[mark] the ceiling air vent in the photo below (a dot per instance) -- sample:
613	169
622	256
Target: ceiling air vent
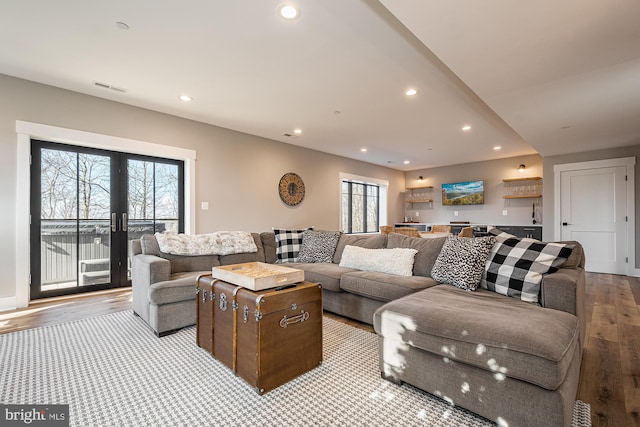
108	86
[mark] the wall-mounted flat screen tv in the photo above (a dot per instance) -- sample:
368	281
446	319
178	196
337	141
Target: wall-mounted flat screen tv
463	193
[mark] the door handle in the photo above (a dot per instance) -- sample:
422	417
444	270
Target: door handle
565	223
125	221
114	222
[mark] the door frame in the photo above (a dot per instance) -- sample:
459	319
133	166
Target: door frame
27	130
629	164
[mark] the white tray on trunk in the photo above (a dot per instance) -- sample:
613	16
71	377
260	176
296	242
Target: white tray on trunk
258	275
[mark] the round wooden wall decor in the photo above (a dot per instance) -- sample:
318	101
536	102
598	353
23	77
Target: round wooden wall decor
291	189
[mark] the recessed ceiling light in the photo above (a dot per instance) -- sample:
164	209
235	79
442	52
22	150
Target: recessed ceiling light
406	162
497	147
185	98
122	25
411	92
290	12
298	131
466	128
364	150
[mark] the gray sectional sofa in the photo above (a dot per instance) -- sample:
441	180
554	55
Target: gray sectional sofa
513	362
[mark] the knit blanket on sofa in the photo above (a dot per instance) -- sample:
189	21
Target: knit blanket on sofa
218	243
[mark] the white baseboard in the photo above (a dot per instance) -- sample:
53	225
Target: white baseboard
8	303
635	272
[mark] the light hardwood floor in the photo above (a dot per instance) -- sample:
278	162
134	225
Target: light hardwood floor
610	372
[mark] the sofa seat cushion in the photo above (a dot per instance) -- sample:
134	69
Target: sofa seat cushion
181	287
328	275
383	286
508	337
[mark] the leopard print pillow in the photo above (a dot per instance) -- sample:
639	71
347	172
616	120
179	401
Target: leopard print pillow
318	246
461	261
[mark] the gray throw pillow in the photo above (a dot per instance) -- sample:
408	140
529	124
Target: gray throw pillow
462	260
318	246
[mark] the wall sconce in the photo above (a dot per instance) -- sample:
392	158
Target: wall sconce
420	178
521	168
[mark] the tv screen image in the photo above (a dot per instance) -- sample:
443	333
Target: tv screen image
463	193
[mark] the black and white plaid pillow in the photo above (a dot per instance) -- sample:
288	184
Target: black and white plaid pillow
515	266
288	244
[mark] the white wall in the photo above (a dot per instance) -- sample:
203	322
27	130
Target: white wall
491	212
235	172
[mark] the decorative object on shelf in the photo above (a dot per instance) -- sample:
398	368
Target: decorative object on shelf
291	189
417	196
526	190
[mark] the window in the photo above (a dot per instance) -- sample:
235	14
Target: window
360	207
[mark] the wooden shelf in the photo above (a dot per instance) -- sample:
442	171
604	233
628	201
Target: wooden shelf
524	196
419	201
531	178
420	188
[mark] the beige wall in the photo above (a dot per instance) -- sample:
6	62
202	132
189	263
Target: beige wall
491	213
235	172
550	162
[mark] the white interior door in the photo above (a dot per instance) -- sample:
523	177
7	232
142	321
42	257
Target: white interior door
593	211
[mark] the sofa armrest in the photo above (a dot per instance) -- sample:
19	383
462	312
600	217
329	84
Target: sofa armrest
565	290
149	269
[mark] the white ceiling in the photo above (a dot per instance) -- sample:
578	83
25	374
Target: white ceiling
550	76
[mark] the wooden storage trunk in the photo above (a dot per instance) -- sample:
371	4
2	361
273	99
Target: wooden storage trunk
204	312
258	275
267	337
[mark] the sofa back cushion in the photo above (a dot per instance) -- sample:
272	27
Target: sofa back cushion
150	245
428	250
246	257
179	263
268	239
576	259
376	241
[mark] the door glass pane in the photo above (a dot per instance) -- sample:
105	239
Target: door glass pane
94	200
75	223
166	195
140	189
153	200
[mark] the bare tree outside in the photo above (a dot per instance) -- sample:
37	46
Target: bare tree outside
153	192
360	207
140	189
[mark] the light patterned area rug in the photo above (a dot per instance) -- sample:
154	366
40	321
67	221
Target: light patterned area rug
113	371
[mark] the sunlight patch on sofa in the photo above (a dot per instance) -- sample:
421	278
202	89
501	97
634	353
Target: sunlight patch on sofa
393	328
500	371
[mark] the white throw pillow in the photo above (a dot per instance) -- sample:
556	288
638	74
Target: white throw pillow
398	261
